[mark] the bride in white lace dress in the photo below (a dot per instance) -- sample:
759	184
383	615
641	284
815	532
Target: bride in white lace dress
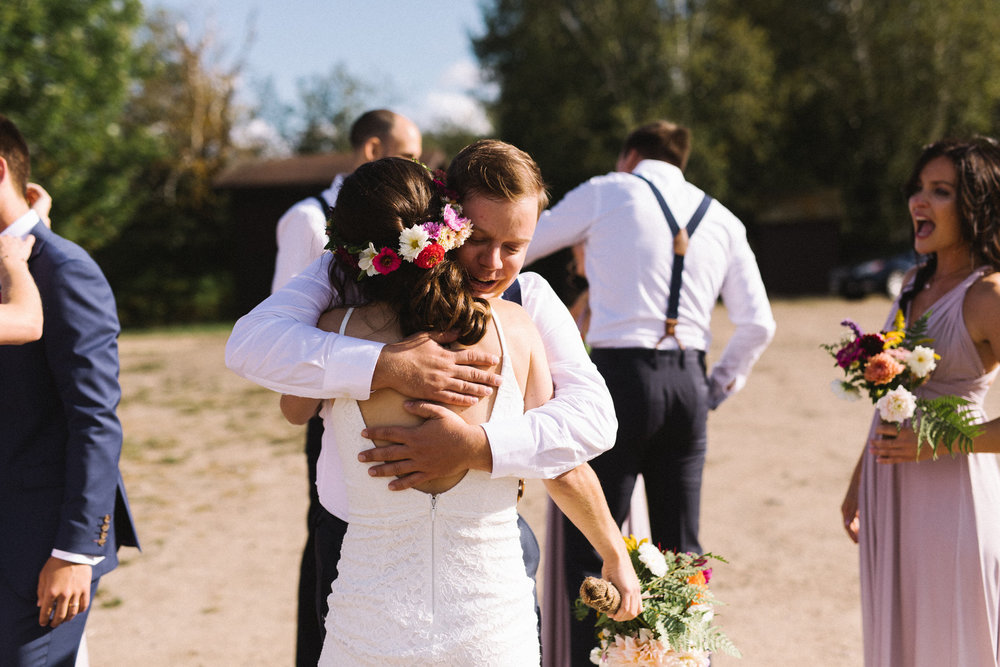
433	575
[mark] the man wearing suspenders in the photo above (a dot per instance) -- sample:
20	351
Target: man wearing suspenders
658	254
301	237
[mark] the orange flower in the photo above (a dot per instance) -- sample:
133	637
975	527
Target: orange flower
698	579
882	368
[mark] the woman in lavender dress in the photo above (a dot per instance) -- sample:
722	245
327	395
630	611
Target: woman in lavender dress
929	530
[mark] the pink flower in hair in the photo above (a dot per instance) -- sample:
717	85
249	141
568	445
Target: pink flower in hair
386	261
453	219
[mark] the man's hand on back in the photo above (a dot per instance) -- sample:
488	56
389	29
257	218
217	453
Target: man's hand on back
419	366
443	445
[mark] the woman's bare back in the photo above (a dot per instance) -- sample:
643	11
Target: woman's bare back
377	323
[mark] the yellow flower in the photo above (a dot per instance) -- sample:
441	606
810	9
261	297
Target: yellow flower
895	337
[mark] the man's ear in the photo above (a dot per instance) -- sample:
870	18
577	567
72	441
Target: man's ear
373	149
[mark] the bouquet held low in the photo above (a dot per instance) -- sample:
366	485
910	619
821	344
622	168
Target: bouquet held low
675	627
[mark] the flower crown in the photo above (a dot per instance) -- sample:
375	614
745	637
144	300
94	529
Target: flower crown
423	244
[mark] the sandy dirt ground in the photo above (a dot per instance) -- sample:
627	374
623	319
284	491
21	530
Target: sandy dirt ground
218	488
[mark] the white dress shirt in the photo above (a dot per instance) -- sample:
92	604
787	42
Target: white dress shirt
278	346
22	226
628	250
301	235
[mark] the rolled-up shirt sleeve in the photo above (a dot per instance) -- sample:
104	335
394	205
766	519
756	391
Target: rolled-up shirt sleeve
578	423
278	346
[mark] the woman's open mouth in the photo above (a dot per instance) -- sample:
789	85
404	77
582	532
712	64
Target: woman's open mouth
924	228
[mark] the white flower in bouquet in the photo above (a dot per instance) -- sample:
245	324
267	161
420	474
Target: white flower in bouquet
845	390
652	558
704	612
897	405
921	361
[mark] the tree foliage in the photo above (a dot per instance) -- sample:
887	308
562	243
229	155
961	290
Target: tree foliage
576	75
866	84
68	69
171	262
329	104
782	96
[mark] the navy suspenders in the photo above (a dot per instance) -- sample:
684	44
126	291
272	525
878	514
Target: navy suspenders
681	238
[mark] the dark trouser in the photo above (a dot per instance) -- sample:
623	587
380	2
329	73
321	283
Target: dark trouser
326	536
24	643
661	402
309	634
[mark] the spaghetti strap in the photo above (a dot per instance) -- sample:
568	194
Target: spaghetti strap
347	317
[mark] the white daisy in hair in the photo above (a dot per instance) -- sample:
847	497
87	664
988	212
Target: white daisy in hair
365	260
411	241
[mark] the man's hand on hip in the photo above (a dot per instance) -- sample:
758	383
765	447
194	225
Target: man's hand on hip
443	445
419	366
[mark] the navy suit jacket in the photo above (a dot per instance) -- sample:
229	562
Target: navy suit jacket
60	438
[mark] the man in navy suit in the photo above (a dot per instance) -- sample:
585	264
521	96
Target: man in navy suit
63	510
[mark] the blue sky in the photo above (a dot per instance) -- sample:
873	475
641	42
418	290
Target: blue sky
418	54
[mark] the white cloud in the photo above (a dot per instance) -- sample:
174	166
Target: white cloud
259	135
455	100
441	108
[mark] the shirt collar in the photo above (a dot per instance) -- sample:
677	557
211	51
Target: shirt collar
665	169
23	225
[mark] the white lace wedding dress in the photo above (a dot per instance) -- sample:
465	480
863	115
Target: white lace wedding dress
429	579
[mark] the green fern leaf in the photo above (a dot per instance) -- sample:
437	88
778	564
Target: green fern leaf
946	422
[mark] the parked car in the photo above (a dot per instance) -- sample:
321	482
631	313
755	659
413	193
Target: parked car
883	275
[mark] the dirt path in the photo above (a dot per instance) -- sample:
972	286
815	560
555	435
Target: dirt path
218	488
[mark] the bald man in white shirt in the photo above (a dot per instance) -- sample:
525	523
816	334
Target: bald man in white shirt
301	238
651	351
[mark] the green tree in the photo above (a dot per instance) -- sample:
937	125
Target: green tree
865	84
576	75
328	105
171	262
68	70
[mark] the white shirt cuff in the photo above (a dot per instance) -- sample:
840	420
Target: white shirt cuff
508	459
76	558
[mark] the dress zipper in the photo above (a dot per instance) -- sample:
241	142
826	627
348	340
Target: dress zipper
434	499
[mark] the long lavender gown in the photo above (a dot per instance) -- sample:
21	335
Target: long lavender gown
930	531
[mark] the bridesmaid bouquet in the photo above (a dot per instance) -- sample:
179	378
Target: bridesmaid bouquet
675	626
887	367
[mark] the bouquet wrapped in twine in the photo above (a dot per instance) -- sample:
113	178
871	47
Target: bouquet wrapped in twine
600	595
676	620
